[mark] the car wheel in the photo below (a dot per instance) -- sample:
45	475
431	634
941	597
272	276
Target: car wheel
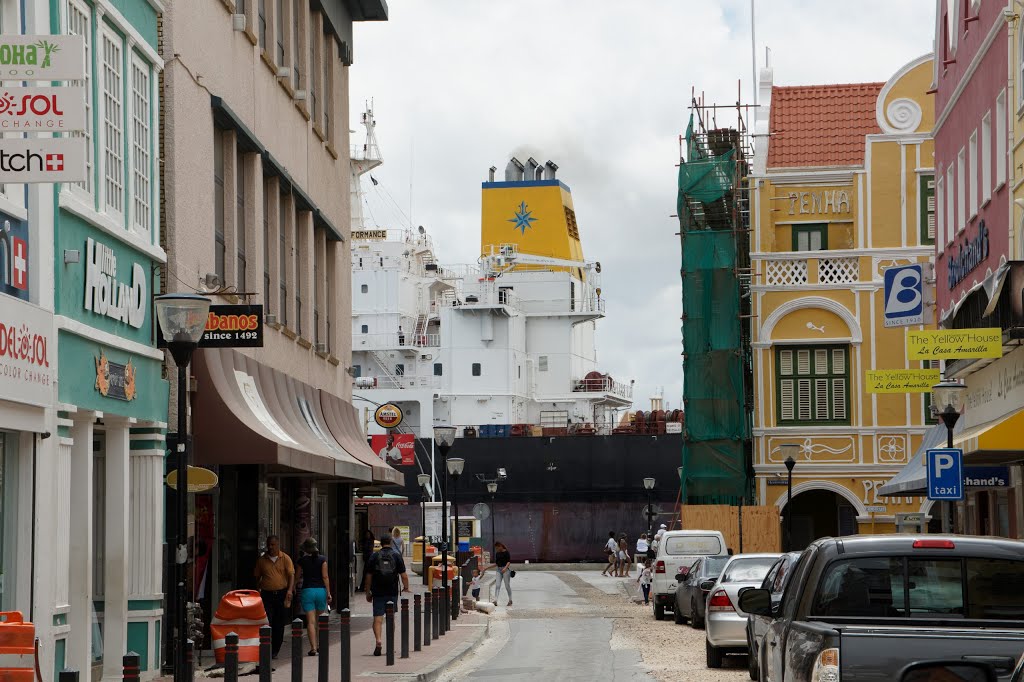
659	612
695	621
714	656
752	661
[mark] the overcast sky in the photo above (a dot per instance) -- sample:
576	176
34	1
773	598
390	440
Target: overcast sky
602	88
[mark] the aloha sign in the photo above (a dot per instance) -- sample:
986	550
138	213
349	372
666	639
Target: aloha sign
42	58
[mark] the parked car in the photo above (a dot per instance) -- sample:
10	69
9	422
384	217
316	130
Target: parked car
677	550
866	607
726	622
775	582
692	589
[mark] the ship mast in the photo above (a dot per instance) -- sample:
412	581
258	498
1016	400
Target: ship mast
364	159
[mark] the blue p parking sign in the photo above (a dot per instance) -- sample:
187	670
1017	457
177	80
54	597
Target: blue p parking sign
904	295
945	474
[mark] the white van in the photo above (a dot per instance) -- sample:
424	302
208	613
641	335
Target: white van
678	550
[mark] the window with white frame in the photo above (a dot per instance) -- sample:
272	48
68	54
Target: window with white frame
141	146
113	123
1020	67
940	214
314	71
813	384
950	217
961	194
972	176
1001	123
79	20
986	157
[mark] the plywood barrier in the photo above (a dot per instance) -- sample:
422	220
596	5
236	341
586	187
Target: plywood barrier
761	525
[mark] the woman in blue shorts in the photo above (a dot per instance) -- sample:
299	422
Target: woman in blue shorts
311	571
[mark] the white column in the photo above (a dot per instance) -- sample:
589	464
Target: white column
146	525
79	646
115	569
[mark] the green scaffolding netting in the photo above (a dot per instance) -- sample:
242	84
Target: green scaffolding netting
717	425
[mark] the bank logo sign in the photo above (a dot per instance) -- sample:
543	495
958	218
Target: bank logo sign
42	58
58	159
14	261
904	292
44	110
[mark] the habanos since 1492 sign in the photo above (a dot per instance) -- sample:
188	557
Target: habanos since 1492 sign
939	344
388	416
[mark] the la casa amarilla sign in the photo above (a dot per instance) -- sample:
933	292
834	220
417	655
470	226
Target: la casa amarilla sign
901	380
936	344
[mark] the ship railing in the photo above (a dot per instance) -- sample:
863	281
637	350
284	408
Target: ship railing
566	305
483	293
394	340
567	428
397	382
604	384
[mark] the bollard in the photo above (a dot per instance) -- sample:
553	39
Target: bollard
323	652
447	597
130	665
404	629
426	619
231	657
435	600
345	647
389	625
417	624
297	650
190	668
456	597
67	675
265	653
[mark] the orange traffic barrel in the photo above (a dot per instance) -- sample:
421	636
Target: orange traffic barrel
241	612
17	645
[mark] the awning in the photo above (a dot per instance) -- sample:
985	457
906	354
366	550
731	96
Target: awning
384	500
912	480
342	420
249	413
996	441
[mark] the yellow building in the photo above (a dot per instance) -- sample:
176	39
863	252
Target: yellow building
842	188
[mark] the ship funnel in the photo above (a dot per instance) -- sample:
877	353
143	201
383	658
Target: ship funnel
490	173
534	170
514	170
550	170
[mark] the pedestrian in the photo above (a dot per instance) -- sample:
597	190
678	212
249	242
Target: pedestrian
653	551
642	547
611	550
645	579
503	562
316	589
624	563
275	579
366	549
474	585
383	571
397	543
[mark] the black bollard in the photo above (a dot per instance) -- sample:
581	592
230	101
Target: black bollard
345	646
297	650
404	629
231	657
389	626
190	668
67	675
435	600
130	666
265	653
447	597
323	652
426	619
417	624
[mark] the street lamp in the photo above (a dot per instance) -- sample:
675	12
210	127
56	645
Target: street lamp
492	487
947	401
444	438
424	481
182	320
789	449
682	495
649	486
455	466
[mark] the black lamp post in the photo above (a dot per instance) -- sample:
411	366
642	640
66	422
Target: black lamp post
947	401
424	481
682	496
649	486
492	487
455	466
789	449
444	438
182	320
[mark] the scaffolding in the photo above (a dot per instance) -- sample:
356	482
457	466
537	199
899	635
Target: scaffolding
714	237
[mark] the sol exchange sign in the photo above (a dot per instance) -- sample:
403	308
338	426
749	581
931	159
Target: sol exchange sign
26	335
388	416
58	110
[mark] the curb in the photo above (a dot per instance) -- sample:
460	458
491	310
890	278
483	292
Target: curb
460	653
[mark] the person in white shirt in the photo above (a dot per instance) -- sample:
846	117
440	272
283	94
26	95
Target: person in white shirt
657	538
645	579
611	549
642	546
390	452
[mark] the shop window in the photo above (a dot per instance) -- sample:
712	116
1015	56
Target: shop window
810	237
812	385
8	520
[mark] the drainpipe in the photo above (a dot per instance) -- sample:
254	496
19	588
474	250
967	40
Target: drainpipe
1011	107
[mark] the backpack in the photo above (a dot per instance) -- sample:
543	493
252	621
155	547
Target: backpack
386	564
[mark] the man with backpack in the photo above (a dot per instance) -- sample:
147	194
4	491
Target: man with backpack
381	583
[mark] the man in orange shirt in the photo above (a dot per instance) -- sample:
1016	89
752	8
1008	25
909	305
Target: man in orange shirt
275	579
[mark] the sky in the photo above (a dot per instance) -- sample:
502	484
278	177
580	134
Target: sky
603	89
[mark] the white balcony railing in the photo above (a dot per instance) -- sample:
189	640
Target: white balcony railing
803	271
604	384
397	382
394	341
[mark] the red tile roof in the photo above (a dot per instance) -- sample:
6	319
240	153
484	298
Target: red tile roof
821	125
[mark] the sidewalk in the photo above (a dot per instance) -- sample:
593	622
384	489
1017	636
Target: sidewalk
427	664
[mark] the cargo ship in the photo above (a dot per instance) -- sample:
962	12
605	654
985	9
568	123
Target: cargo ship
504	350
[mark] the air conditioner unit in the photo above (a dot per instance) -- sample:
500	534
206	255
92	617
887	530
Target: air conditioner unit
300	95
238	22
320	348
284	72
270	318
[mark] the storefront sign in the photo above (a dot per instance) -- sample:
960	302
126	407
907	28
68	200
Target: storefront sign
388	416
199	479
901	380
369	234
26	341
42	58
397	449
229	326
819	202
114	380
875	508
936	344
904	288
104	295
43	159
42	109
432	517
995	391
987	477
969	255
14	268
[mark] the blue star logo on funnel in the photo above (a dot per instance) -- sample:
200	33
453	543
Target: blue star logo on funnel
523	218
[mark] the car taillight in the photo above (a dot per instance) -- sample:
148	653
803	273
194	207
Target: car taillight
659	567
720	602
934	544
826	666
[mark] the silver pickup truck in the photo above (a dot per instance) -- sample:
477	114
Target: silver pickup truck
864	607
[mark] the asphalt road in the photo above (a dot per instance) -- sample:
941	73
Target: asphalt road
582	626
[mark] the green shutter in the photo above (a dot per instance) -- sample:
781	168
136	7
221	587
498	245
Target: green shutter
927	208
812	385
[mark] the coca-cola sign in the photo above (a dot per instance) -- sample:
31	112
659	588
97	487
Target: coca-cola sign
27	353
